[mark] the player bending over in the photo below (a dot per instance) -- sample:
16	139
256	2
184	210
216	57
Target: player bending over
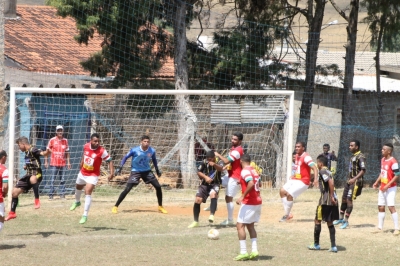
140	169
33	175
250	209
93	156
300	181
387	190
327	209
232	186
3	186
209	172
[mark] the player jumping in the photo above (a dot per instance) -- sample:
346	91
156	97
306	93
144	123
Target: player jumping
93	156
140	169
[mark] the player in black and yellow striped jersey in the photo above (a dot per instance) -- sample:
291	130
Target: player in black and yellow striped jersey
33	175
209	172
327	209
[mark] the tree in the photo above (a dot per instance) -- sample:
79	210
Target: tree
384	23
351	30
133	45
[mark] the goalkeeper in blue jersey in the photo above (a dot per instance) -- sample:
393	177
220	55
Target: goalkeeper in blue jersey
140	169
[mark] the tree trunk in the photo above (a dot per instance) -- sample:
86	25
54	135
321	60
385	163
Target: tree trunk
315	24
378	86
345	133
188	119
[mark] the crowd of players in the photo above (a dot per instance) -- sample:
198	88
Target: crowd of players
235	171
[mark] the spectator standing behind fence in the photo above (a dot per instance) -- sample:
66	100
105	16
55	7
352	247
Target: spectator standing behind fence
328	155
59	159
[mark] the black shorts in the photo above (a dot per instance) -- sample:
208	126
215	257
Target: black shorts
135	177
349	191
204	191
327	213
25	182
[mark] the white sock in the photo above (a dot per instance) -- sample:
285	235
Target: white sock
254	245
381	218
243	249
284	202
289	206
230	207
1	226
395	218
88	201
78	194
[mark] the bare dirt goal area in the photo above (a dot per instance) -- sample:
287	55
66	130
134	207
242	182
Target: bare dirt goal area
139	235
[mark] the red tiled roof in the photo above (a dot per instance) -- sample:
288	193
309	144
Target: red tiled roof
42	41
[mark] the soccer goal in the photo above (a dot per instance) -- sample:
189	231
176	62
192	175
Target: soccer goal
182	126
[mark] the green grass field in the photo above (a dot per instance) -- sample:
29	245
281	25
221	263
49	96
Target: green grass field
139	235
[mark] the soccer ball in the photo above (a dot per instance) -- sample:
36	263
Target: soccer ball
213	234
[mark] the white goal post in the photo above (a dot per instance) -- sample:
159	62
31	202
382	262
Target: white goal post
199	117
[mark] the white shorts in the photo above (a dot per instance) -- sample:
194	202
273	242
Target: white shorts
387	198
295	187
249	214
232	188
2	210
84	179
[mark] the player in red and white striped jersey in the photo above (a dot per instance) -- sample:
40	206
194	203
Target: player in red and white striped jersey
250	209
300	181
93	156
388	187
3	185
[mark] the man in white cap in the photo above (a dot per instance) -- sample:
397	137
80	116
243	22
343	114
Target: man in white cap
58	146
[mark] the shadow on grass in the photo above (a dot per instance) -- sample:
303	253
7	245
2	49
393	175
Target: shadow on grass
363	225
3	247
341	248
301	220
263	257
136	210
43	234
102	228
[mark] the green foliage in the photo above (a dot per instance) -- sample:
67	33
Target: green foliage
385	15
133	45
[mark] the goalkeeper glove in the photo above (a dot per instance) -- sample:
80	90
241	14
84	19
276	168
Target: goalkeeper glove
158	172
118	171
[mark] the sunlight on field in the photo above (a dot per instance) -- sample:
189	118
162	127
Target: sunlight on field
139	235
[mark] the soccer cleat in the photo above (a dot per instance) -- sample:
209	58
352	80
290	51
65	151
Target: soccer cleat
83	220
377	231
242	257
207	209
340	221
50	197
193	225
161	209
114	210
396	232
344	225
211	219
286	218
314	247
227	222
11	215
333	249
253	255
74	206
37	203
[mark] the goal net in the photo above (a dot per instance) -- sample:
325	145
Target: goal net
182	126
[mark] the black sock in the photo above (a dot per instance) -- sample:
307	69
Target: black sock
157	186
196	212
213	206
36	190
14	203
123	194
332	235
317	232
